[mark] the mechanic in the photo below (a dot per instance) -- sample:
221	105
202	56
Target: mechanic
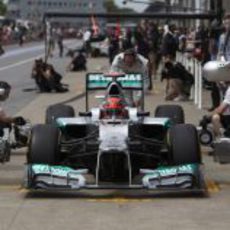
221	115
5	120
131	62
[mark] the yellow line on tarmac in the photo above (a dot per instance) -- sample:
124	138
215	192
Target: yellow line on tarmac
212	186
119	200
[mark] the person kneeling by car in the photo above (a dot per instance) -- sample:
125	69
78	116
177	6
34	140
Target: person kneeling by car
6	123
220	117
5	120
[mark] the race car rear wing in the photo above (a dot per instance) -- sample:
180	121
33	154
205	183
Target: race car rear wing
101	81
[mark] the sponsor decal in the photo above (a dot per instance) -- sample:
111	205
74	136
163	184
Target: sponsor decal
127	80
61	171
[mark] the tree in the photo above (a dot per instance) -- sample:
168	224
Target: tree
2	8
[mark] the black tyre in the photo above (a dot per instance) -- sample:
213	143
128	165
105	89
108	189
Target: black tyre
174	112
55	111
184	144
43	145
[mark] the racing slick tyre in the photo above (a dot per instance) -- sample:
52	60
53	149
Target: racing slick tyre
55	111
174	112
43	145
184	144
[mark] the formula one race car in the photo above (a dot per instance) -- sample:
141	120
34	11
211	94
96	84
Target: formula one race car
12	137
114	145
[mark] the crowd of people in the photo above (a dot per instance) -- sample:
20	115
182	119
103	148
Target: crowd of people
141	49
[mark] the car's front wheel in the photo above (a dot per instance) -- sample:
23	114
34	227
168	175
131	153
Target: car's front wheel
174	112
184	144
55	111
44	145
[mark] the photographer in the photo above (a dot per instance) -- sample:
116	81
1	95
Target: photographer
78	62
46	78
179	81
53	79
39	76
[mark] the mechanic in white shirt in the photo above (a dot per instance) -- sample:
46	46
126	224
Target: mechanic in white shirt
131	62
4	119
221	115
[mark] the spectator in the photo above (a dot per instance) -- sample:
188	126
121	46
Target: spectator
169	43
127	40
113	46
1	48
59	37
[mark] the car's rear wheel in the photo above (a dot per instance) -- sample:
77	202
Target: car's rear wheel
174	112
43	145
184	144
55	111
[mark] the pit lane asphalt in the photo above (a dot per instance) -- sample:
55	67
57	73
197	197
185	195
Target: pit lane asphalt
110	209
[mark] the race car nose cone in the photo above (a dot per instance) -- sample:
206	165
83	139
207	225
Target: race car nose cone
216	71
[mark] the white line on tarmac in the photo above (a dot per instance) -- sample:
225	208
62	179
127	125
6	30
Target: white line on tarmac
20	63
71	43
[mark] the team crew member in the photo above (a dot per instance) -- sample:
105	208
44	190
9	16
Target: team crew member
221	115
131	62
4	94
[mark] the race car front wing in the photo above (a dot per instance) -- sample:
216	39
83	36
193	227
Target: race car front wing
183	177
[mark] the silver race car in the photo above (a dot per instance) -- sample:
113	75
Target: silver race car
114	145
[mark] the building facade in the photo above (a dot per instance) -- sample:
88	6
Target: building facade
35	9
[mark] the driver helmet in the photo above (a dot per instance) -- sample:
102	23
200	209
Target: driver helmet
114	107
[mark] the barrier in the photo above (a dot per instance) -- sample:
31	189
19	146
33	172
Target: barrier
195	68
